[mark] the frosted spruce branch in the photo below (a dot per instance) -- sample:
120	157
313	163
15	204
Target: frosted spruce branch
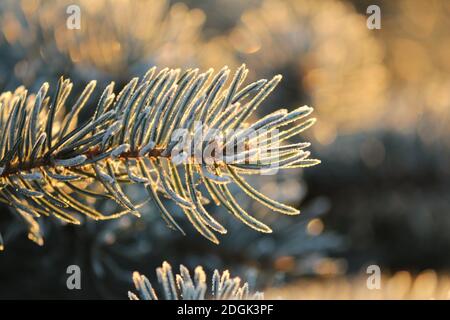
183	287
184	136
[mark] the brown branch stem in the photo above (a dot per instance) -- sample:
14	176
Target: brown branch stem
45	161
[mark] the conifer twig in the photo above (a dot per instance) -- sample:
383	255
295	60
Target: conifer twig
184	136
183	287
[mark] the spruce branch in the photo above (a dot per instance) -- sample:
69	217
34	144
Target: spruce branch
183	287
52	164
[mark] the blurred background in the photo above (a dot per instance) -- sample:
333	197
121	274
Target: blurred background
382	98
